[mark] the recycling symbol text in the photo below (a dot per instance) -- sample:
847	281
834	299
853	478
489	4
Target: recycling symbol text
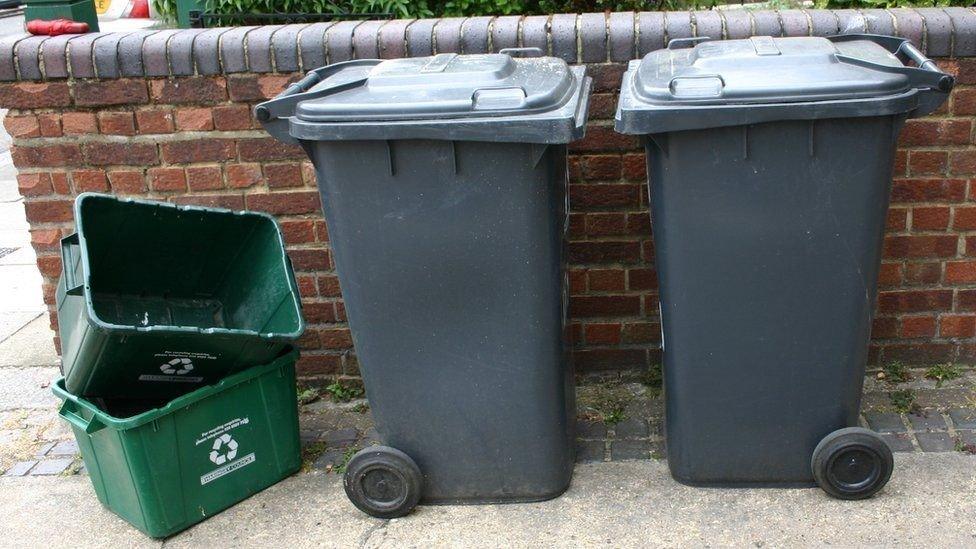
178	366
219	443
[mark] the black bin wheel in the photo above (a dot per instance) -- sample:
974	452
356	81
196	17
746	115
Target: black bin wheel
852	463
383	482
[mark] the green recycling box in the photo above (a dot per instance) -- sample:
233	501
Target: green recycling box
156	300
168	468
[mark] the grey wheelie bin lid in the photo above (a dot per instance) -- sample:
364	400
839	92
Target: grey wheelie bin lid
484	97
697	83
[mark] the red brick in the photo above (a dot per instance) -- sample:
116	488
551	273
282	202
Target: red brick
48	211
929	190
598	306
89	181
634	167
268	149
920	246
609	359
240	176
329	286
23	126
928	132
34	184
641	332
252	87
914	301
318	312
318	364
198	150
46	239
204	178
605	280
575	171
602	334
62	154
934	218
153	121
639	223
49	265
900	165
167	179
309	259
77	123
601	167
917	326
964	70
577	281
110	92
602	106
283	175
295	202
50	124
928	162
306	285
960	271
897	219
298	231
606	76
198	89
957	326
121	154
604	252
922	273
228	201
604	196
117	123
232	117
194	119
963	162
641	279
964	102
59	182
127	182
884	328
889	274
964	218
336	338
34	95
603	138
606	224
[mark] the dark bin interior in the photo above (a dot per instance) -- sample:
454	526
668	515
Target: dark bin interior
155	265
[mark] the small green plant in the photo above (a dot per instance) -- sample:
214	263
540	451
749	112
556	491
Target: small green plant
896	372
606	401
340	467
964	447
311	452
653	378
614	416
942	373
904	401
343	393
361	408
308	395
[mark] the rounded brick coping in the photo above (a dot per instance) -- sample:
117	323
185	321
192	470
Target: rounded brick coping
577	38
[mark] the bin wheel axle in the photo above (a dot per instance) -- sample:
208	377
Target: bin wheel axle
852	463
383	482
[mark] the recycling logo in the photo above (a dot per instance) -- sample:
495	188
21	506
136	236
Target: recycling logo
224	449
177	366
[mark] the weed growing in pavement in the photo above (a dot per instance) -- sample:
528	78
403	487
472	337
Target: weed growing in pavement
895	372
606	401
311	452
904	401
343	393
961	446
942	373
361	408
653	378
340	467
307	395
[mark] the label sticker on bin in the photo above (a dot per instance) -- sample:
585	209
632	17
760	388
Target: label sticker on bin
175	367
222	448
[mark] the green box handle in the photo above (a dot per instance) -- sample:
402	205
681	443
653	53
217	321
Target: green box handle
69	411
69	244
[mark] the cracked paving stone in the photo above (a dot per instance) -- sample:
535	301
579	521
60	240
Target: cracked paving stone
342	437
51	466
329	459
631	428
935	442
630	449
898	442
885	422
64	448
20	468
931	421
963	418
591	429
589	450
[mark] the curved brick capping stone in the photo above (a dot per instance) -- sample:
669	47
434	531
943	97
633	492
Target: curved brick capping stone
166	114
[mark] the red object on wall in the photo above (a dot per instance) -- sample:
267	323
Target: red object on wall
138	9
56	27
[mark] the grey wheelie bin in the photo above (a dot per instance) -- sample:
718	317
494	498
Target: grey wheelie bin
769	161
443	181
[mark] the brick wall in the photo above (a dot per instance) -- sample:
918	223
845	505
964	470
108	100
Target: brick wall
167	115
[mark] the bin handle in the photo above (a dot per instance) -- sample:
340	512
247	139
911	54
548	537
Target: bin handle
283	104
526	51
69	411
68	245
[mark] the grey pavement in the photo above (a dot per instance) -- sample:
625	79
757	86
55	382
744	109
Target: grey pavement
929	502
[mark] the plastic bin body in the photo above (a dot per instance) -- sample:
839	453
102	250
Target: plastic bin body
156	300
447	230
768	215
166	469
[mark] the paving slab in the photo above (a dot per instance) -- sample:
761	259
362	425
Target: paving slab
927	503
27	388
31	345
